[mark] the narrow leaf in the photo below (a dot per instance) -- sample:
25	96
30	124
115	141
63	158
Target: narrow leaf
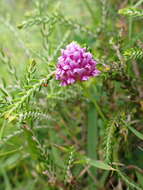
95	163
137	133
99	164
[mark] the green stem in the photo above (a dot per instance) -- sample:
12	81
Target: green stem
138	3
92	141
98	109
93	100
130	28
130	25
2	128
89	8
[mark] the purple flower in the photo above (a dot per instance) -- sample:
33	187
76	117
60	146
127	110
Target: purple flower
75	64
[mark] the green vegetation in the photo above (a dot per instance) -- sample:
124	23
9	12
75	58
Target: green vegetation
84	136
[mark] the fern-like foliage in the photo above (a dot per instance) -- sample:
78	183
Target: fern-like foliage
133	53
35	115
56	18
109	141
19	132
68	165
37	20
11	109
131	12
30	71
36	149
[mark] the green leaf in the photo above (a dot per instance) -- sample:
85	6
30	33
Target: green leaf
4	92
133	130
128	181
95	163
137	133
99	164
10	152
131	12
7	183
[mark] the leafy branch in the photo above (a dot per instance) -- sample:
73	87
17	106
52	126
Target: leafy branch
56	18
131	12
109	140
25	95
133	53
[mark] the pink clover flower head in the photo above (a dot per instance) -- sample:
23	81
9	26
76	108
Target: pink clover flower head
75	64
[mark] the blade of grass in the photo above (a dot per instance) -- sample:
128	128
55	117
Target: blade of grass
2	129
128	180
6	180
137	133
133	130
92	137
93	100
92	134
53	138
138	3
95	163
10	152
103	179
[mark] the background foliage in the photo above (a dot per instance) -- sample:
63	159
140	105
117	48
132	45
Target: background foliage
85	136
